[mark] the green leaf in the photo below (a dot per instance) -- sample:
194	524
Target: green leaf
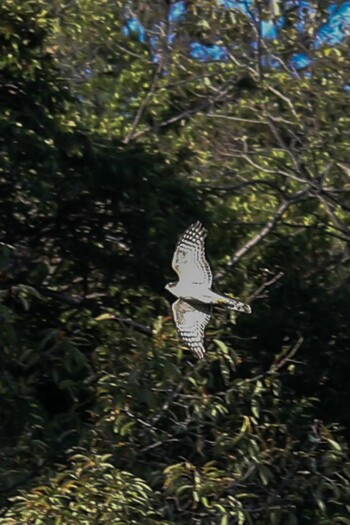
224	520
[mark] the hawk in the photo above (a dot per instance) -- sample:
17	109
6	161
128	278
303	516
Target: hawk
192	310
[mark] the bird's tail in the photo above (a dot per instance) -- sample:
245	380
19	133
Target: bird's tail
239	306
234	304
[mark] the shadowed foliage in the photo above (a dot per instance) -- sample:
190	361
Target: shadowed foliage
109	148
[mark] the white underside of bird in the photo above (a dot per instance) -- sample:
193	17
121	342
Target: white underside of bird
202	294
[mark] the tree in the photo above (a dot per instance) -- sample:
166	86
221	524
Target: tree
111	146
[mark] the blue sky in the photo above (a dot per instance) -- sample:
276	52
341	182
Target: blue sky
332	32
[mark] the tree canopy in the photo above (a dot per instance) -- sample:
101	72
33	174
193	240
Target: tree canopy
111	144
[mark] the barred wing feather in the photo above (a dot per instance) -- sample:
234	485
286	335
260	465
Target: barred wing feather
191	320
189	260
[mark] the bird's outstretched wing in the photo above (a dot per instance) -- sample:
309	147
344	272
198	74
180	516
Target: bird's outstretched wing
189	260
191	320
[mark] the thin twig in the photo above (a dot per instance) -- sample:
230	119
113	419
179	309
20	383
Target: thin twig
266	284
277	366
143	105
204	106
288	357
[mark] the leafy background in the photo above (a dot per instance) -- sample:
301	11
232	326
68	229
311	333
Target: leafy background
111	144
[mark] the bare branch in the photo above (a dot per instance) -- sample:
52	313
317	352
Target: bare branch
137	327
77	301
266	284
143	105
237	119
279	364
271	223
335	220
240	185
286	99
204	106
288	357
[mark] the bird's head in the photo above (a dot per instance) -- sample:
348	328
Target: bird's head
170	286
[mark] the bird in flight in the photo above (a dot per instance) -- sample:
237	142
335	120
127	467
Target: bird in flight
192	310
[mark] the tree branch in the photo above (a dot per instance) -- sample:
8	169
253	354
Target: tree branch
254	182
186	114
77	301
271	223
279	364
143	105
263	287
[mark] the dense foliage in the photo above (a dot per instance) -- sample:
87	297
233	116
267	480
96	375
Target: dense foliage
111	145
